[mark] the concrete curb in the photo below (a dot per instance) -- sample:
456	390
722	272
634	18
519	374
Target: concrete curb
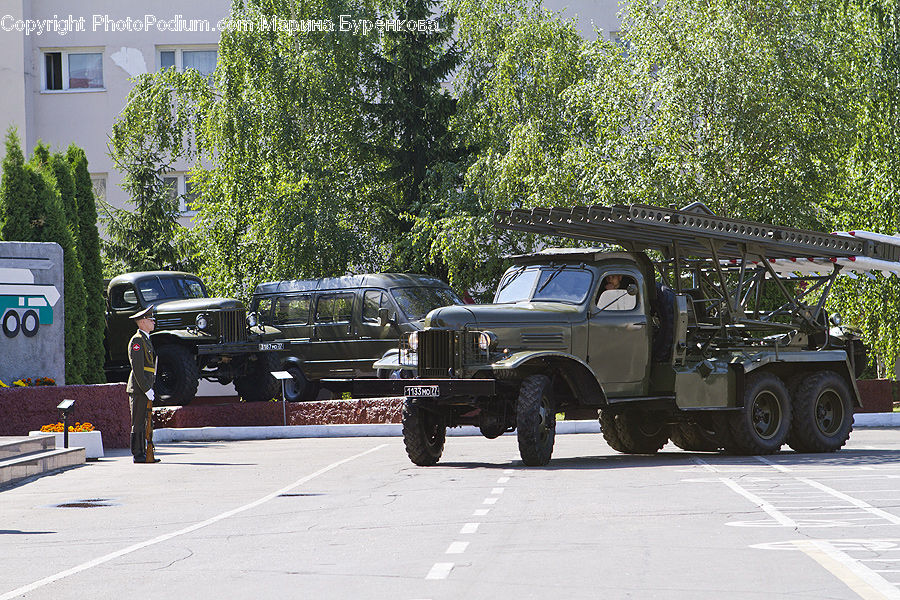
216	434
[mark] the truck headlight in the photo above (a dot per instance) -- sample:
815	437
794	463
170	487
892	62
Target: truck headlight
202	321
414	341
487	341
836	319
252	320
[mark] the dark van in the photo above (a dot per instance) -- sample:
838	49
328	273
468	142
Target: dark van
338	327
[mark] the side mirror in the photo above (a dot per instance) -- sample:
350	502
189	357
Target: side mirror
385	317
632	289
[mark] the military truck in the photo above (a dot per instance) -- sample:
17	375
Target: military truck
674	335
196	337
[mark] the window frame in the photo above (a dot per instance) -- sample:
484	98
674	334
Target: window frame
179	51
64	59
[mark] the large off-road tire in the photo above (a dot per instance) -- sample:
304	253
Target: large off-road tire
823	413
177	374
536	420
762	425
641	433
694	438
611	432
259	385
298	388
424	433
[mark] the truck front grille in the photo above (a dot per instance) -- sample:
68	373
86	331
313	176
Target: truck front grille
233	325
437	352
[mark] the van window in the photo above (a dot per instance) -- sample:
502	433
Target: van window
264	310
334	309
292	309
372	301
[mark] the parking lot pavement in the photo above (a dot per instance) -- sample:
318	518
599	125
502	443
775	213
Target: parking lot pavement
342	518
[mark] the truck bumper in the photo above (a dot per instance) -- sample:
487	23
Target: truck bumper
440	390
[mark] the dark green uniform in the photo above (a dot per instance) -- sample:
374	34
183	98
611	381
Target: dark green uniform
140	381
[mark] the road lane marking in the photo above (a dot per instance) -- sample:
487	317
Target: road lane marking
440	571
508	471
706	466
481	512
168	536
497	491
469	528
773	512
503	480
865	582
891	518
457	547
486	501
775	466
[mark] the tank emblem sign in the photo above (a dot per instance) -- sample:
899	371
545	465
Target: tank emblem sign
24	305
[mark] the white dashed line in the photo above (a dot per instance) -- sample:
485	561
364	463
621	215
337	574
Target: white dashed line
497	491
481	512
503	480
469	528
891	518
773	512
457	547
704	464
864	581
508	471
777	467
440	571
490	500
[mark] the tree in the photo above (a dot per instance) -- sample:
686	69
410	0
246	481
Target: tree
33	212
89	255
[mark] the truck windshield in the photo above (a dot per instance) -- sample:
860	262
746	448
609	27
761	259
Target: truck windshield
416	302
546	283
158	289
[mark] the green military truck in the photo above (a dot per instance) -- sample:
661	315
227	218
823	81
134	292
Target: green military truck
196	337
675	337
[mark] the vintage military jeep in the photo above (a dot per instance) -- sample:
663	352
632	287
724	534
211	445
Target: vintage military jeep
195	337
684	347
336	327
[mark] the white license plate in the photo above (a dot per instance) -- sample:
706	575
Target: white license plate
271	346
422	391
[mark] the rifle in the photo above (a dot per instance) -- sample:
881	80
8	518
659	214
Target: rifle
148	425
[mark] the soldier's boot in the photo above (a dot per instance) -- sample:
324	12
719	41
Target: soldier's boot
137	448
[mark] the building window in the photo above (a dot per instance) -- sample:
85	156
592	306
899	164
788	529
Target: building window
202	60
180	188
98	182
69	70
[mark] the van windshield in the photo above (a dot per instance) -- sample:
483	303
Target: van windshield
416	302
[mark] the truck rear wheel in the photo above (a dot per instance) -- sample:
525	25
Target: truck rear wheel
177	374
823	414
762	425
535	421
424	433
641	433
259	385
694	438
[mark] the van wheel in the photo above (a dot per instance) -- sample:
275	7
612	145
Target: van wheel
259	385
823	414
762	426
298	388
535	421
424	434
177	374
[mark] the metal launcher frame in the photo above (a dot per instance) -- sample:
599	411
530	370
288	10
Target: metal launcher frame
727	260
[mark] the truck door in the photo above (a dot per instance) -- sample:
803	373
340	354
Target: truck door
619	333
122	303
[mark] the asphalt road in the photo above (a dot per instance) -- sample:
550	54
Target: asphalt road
352	518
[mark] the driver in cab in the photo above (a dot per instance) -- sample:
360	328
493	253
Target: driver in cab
615	294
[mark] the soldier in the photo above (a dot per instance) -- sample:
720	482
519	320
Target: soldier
140	382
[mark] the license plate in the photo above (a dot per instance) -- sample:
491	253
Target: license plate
271	346
422	391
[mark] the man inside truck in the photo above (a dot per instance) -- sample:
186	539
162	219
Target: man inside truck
615	294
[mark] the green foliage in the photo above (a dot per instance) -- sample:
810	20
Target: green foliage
88	242
33	211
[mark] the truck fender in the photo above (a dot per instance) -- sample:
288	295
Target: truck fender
170	336
578	375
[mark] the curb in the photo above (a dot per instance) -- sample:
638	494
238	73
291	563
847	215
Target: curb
217	434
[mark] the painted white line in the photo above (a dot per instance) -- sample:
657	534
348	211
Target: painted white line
497	491
777	467
457	547
481	512
773	512
168	536
886	570
891	518
440	571
865	582
508	471
469	528
486	501
503	480
706	466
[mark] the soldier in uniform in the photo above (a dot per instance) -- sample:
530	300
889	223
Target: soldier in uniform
140	381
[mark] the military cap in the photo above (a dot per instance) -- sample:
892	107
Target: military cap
147	313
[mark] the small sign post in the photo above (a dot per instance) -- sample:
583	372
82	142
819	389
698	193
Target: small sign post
282	376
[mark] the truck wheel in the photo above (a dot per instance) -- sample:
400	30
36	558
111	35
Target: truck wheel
259	385
694	438
177	374
30	323
535	421
611	432
424	433
640	433
761	427
11	324
298	388
823	414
